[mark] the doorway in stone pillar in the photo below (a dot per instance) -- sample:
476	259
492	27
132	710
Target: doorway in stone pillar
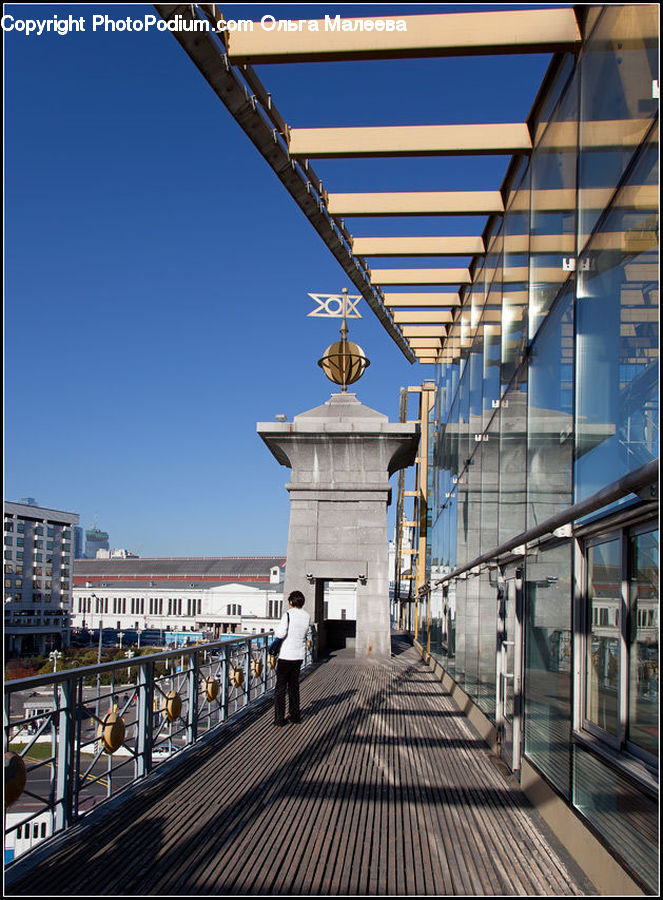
336	610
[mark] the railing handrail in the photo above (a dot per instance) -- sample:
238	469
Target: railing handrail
33	681
628	484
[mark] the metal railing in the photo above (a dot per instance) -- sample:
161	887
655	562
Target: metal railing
79	736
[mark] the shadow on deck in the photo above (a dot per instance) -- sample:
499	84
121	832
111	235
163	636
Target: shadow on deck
383	789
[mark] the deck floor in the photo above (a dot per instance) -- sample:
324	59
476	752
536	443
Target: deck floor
384	788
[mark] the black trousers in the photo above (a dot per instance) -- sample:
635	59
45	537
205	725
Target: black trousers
287	676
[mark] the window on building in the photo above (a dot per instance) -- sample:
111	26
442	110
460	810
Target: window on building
39	529
50	531
39	545
8	554
621	657
49	545
19	541
38	571
9	541
20	527
9	525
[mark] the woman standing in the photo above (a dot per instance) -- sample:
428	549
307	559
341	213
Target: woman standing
294	628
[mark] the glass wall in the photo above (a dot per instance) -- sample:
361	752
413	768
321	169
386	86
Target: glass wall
550	415
547	664
551	396
617	410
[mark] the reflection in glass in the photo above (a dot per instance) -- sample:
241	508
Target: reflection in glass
513	459
643	650
547	681
617	405
550	424
487	632
604	634
553	214
472	637
618	68
513	320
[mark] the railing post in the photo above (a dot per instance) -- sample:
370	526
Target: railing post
224	684
192	724
247	673
144	717
66	731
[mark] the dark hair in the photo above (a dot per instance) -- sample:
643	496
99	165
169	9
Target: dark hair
296	598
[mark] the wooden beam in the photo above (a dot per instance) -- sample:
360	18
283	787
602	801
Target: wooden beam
419	203
424	299
424	331
417	246
420	316
418	343
443	34
410	140
420	276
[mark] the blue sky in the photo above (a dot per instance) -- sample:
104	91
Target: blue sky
156	271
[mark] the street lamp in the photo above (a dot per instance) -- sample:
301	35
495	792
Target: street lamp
54	656
101	631
120	635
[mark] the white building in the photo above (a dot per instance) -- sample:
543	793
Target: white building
38	559
216	595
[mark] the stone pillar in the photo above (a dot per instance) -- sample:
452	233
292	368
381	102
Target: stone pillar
341	455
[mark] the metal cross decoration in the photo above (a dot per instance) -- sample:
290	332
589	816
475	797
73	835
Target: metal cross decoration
343	362
336	306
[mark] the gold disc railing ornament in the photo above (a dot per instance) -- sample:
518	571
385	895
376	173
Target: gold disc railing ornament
309	643
256	667
211	688
16	777
173	706
273	661
237	676
110	732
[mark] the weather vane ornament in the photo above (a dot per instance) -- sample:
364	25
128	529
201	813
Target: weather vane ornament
342	362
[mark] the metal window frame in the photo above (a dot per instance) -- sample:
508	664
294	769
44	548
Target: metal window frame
622	754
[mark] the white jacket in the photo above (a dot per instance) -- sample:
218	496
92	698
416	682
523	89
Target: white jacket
295	633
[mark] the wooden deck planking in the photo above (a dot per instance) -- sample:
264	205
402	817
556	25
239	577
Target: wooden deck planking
384	789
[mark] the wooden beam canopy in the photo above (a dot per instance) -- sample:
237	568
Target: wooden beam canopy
418	246
410	140
444	34
416	203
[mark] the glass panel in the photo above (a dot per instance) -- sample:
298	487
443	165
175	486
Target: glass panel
487	633
450	608
490	464
617	334
513	320
553	213
459	630
619	64
643	655
626	817
604	633
550	424
548	674
513	459
472	637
